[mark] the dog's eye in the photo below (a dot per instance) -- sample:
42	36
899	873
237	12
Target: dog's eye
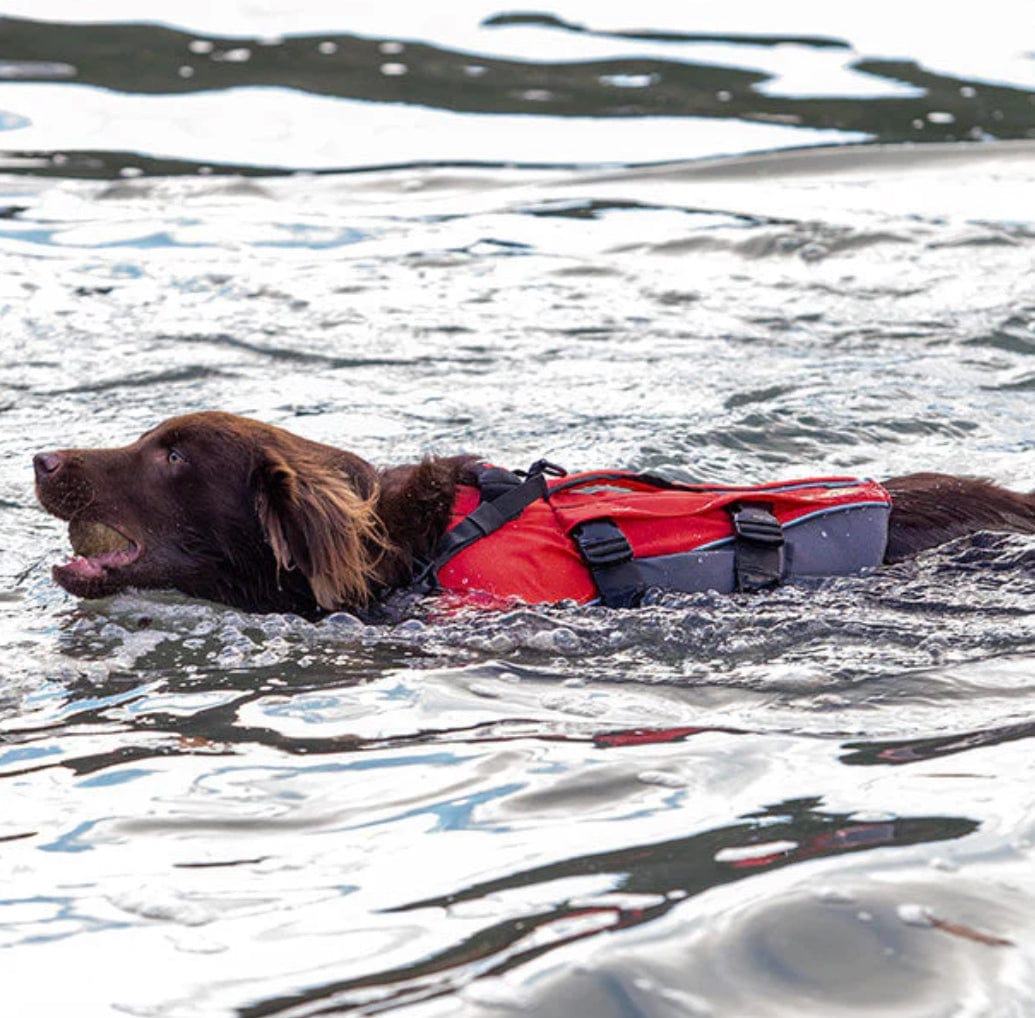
175	457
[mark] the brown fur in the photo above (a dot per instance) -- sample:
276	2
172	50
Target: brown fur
250	515
931	509
315	522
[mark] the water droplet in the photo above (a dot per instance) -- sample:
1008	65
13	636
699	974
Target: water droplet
940	117
391	48
327	48
200	46
394	70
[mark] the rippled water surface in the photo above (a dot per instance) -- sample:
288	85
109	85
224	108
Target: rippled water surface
550	233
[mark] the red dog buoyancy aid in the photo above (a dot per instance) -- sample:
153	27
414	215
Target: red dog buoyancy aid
611	535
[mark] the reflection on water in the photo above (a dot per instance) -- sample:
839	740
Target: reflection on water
915	750
812	802
858	97
646	882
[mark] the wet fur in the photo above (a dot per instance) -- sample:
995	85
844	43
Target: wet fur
247	514
931	509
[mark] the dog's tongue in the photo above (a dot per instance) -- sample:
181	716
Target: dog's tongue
91	539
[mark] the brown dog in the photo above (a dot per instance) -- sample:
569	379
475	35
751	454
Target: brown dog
232	510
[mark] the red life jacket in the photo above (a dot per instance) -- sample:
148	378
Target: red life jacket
609	536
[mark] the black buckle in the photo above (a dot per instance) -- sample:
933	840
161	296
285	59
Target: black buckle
756	523
543	467
758	549
602	543
609	558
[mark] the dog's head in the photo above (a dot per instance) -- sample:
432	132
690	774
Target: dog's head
219	507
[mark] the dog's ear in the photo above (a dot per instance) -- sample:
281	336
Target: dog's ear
316	522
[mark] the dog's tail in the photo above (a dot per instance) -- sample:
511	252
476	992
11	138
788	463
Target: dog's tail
930	509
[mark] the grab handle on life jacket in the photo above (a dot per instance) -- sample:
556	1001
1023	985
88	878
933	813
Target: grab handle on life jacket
543	467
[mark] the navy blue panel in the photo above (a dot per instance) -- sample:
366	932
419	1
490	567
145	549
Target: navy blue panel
690	571
834	542
837	543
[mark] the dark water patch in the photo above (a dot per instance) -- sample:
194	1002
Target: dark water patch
130	165
221	864
102	164
1022	385
286	353
188	373
18	837
695	864
592	209
93	291
672	298
1016	335
983	238
552	21
142	58
766	395
908	751
586	271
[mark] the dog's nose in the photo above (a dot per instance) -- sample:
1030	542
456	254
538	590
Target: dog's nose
45	464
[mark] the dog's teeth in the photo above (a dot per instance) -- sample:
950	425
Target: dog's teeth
90	539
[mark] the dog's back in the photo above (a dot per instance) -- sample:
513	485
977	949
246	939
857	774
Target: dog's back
930	509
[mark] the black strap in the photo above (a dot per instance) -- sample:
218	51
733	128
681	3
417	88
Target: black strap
487	518
609	558
758	548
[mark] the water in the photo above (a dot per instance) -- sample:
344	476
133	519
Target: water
812	802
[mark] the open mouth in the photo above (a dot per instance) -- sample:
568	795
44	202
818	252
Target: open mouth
99	549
